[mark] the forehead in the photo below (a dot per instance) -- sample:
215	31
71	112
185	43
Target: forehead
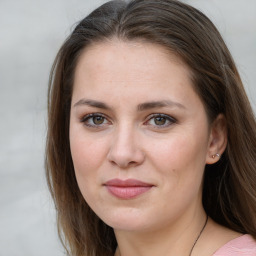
134	69
128	60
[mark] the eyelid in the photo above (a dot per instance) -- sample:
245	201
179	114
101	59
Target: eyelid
169	118
91	115
86	116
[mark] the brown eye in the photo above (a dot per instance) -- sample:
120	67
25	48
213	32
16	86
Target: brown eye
98	120
160	120
95	120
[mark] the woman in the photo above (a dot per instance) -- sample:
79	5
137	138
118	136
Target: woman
151	143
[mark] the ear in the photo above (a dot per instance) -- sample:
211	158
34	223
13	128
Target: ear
217	139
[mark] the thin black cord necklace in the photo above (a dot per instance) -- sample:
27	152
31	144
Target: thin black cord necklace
119	253
198	236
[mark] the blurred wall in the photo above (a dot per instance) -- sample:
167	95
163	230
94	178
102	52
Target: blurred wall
30	34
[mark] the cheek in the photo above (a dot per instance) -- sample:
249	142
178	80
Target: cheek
87	153
179	151
181	165
85	149
180	158
87	156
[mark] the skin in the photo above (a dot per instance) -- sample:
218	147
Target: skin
115	138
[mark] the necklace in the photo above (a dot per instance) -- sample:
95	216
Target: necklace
119	253
198	236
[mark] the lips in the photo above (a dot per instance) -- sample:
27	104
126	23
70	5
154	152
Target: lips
127	189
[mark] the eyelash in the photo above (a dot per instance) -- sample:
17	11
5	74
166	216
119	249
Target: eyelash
167	118
170	120
86	119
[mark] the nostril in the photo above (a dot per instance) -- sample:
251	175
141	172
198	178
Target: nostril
132	163
124	152
124	164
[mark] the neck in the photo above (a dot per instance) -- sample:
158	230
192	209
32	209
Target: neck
172	240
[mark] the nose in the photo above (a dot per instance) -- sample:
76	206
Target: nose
125	150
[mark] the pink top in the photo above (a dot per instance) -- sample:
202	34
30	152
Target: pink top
244	245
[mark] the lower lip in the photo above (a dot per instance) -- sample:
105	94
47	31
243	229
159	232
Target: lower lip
127	192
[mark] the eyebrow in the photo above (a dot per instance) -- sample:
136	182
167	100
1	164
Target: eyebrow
159	104
141	107
92	103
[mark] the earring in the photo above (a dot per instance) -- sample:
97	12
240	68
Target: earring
213	156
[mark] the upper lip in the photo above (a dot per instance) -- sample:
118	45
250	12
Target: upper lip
127	183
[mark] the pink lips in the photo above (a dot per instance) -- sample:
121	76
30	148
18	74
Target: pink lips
127	189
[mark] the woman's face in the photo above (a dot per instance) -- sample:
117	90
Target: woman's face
139	135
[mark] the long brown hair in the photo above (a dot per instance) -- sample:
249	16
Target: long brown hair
229	195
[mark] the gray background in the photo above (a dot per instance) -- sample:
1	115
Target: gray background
30	34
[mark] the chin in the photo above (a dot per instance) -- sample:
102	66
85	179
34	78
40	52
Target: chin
128	220
130	226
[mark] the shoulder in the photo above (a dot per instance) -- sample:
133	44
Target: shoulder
244	245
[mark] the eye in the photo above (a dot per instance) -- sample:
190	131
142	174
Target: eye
95	120
160	120
98	120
